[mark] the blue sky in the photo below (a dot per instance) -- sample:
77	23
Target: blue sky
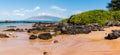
22	9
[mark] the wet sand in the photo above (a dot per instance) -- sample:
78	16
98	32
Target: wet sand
80	44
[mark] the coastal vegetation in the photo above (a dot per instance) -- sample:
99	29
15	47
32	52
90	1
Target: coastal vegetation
97	16
93	16
116	15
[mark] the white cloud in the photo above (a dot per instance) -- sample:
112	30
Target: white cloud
18	14
32	10
50	14
36	8
27	10
16	11
22	12
58	8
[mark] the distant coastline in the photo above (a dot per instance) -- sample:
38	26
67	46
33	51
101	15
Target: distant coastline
26	21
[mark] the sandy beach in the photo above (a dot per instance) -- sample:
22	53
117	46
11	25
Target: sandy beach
80	44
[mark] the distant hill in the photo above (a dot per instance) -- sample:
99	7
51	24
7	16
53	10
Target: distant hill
45	18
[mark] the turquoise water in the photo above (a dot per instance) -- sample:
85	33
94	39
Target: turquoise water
14	24
20	23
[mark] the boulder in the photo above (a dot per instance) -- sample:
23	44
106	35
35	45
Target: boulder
113	23
12	29
111	36
101	29
29	31
3	36
117	23
45	36
45	53
55	41
110	23
33	37
19	30
114	35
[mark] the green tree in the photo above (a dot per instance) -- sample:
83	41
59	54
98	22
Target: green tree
114	5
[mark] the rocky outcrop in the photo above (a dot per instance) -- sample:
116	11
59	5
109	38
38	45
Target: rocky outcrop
43	27
36	29
66	28
114	35
17	30
10	30
77	29
113	23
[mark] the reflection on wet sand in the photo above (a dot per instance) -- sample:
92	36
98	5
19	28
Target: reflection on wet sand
3	40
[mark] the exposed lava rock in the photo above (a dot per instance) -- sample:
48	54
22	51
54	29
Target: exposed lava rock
45	36
3	36
33	37
114	35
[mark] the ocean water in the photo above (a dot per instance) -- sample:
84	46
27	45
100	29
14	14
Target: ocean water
14	24
20	23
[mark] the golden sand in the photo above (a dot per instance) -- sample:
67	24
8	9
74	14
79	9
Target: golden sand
80	44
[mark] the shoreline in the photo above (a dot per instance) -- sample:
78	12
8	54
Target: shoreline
92	44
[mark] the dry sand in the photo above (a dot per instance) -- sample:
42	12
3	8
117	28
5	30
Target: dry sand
80	44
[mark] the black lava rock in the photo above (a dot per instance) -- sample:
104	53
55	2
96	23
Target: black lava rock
3	36
33	37
45	53
10	30
114	35
45	36
77	29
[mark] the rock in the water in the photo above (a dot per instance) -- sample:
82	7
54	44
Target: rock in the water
45	36
33	37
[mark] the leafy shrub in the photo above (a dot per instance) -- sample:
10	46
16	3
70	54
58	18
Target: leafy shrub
116	15
64	20
93	16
